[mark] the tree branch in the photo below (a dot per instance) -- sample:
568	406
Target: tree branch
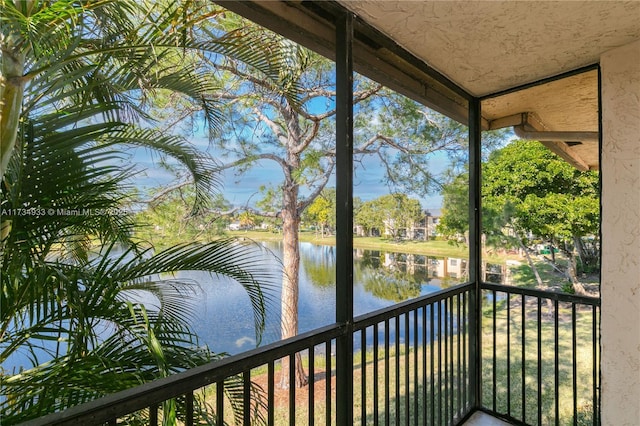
357	98
275	128
308	139
245	76
325	179
158	197
265	156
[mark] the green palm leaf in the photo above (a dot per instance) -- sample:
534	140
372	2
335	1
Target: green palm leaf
86	73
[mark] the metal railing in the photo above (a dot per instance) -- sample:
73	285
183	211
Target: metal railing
541	356
416	362
411	366
410	363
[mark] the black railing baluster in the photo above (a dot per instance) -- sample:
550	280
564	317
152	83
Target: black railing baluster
465	310
375	370
387	389
445	337
270	393
556	372
188	397
328	381
508	296
424	365
447	391
415	367
574	363
451	351
246	397
459	357
523	375
407	384
432	325
493	395
594	344
363	369
539	360
292	389
153	416
440	336
220	402
397	370
312	385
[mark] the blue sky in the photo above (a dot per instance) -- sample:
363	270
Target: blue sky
242	190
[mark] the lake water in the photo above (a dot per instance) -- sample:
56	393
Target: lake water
224	319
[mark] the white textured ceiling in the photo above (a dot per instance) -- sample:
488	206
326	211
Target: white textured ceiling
489	46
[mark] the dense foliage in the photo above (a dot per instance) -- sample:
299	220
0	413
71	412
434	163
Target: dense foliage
84	310
388	214
530	195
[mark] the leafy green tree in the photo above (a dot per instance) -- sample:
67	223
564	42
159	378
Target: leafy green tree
297	133
55	290
247	219
76	78
369	218
528	190
389	213
550	199
322	212
454	222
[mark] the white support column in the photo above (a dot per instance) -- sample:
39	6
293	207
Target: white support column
620	166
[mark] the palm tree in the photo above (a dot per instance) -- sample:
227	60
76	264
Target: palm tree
117	51
77	78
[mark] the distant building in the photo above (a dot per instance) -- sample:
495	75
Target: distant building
425	228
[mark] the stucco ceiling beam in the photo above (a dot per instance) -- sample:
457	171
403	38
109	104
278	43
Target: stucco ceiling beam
562	150
508	121
532	128
556	136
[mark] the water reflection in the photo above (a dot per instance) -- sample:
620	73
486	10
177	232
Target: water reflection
224	319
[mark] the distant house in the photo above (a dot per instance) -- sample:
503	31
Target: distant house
425	228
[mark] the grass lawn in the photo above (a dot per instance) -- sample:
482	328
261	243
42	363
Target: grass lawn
395	393
508	375
432	247
401	392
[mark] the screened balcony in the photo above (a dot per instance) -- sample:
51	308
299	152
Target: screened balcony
435	359
417	364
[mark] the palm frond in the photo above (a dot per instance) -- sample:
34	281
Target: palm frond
228	257
95	323
199	164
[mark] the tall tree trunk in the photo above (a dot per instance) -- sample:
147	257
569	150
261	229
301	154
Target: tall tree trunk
572	273
534	269
290	278
532	265
582	254
11	94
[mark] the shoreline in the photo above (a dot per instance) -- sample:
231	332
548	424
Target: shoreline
437	248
